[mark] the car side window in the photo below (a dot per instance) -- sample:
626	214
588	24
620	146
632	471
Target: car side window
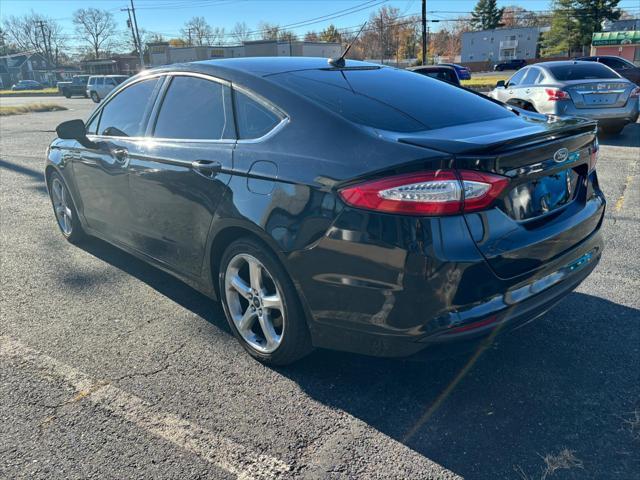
92	127
195	108
613	63
253	119
127	113
530	77
517	78
100	81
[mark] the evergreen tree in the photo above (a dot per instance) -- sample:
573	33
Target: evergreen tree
592	13
486	15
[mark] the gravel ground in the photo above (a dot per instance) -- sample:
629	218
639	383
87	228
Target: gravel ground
110	368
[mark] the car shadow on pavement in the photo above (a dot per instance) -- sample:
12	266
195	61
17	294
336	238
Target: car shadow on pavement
162	282
629	137
483	410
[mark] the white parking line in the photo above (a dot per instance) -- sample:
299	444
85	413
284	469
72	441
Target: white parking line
226	454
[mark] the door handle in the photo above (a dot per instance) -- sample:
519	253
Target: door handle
207	168
120	154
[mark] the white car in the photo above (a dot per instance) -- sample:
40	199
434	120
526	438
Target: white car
99	86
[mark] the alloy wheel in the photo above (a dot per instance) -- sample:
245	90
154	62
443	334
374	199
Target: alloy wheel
255	303
61	205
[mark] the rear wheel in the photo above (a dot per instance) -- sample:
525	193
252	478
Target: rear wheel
66	93
261	304
95	97
64	209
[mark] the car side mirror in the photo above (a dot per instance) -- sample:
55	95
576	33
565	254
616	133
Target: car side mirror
75	130
500	84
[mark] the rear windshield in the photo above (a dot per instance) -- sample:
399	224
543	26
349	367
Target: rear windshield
582	71
391	99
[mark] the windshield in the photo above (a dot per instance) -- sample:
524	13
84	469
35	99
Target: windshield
582	71
391	99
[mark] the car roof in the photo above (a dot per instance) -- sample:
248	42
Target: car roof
262	66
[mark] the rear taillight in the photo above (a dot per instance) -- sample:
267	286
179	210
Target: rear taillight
593	155
553	94
635	92
441	192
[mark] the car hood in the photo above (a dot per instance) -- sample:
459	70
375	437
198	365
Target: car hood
485	137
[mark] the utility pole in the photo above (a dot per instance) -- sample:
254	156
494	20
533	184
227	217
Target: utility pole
130	25
189	34
381	38
135	24
424	32
47	48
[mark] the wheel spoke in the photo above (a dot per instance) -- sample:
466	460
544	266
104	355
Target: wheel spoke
246	322
272	302
241	287
255	275
268	331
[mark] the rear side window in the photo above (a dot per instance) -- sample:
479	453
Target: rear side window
100	81
127	113
253	119
582	71
531	77
195	108
391	99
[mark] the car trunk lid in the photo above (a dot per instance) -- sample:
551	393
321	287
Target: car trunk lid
598	93
552	201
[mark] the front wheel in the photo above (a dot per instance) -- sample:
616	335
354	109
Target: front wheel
65	210
95	97
66	94
261	304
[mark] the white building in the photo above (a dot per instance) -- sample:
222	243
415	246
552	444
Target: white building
501	44
165	54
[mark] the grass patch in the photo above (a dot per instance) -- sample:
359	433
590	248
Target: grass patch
484	81
44	91
32	107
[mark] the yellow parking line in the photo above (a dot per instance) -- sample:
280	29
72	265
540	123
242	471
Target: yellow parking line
620	201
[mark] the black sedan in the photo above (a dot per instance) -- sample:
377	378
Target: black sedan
326	206
513	64
621	65
440	72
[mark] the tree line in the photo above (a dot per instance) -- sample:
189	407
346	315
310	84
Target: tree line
389	34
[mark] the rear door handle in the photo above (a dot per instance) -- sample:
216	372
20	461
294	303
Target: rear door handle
206	168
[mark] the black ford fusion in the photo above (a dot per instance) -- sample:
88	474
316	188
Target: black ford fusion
354	207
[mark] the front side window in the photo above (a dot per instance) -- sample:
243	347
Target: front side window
127	113
195	108
254	120
100	81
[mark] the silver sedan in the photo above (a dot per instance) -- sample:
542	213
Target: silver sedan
581	89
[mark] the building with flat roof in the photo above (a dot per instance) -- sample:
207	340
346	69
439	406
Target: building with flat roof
162	53
501	44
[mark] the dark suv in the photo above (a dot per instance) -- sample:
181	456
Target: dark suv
514	64
622	66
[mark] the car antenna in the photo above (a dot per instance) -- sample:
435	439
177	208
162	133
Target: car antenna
339	62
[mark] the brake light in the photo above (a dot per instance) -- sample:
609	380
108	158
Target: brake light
635	92
593	155
553	94
440	192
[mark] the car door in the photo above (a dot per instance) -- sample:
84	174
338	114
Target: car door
510	89
527	88
177	182
102	174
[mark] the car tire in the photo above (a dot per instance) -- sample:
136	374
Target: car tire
66	93
64	209
95	97
258	296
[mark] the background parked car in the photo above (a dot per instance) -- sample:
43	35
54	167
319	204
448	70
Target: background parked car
514	64
440	72
621	65
99	86
463	72
77	86
27	85
581	89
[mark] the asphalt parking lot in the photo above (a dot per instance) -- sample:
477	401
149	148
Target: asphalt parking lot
110	368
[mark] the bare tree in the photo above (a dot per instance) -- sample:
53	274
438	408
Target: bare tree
197	31
269	31
240	32
25	33
97	28
311	36
217	36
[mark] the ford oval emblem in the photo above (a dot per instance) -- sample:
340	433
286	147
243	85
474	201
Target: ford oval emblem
561	155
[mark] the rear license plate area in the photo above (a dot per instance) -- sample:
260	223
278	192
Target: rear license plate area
542	195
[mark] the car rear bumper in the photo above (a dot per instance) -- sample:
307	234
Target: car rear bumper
395	285
626	114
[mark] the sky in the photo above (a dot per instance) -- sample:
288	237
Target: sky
168	16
